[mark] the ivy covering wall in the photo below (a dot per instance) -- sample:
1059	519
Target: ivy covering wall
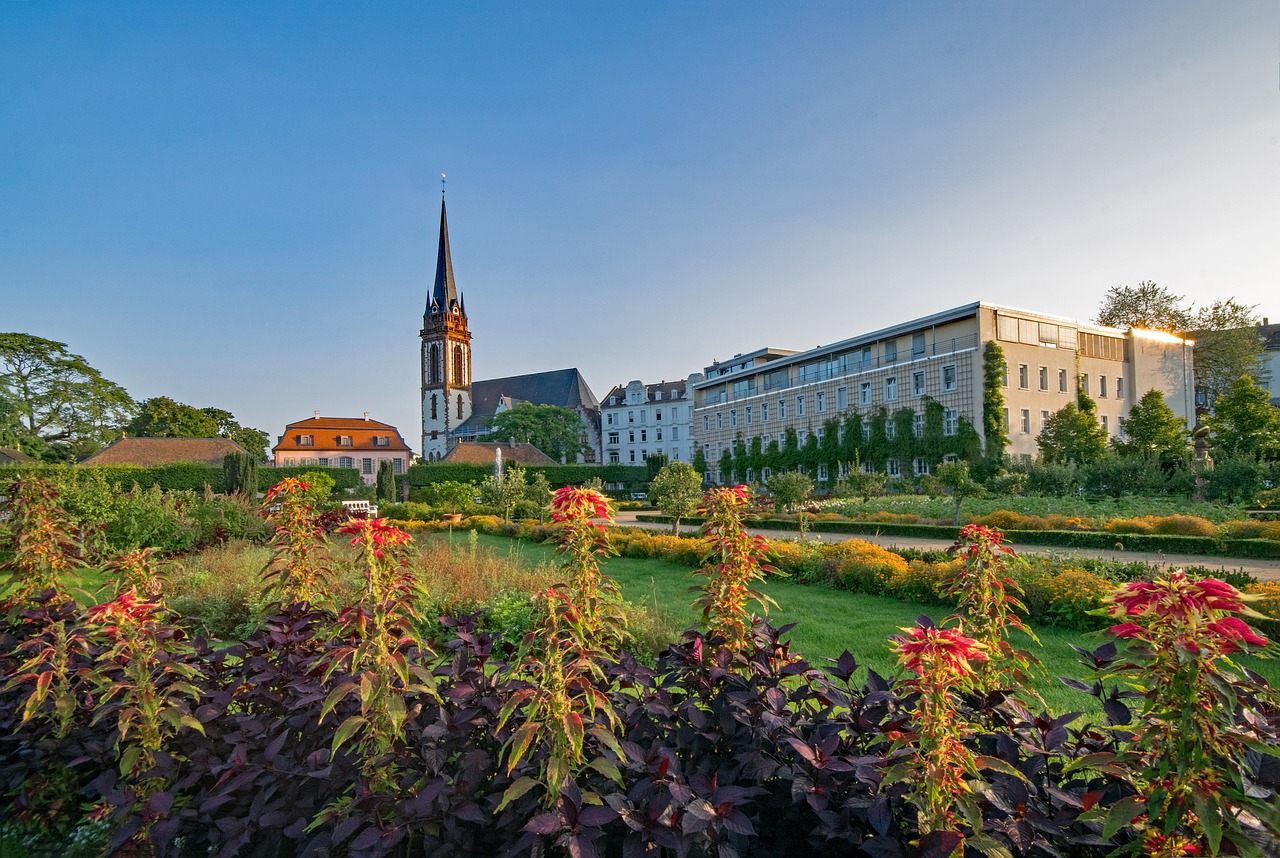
871	439
994	431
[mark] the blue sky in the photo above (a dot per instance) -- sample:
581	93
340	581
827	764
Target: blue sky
236	204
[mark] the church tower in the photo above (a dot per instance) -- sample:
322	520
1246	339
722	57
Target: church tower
446	356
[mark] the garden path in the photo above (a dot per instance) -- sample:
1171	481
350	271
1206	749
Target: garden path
1261	570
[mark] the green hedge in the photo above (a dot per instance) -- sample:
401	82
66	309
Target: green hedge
192	476
1200	545
426	473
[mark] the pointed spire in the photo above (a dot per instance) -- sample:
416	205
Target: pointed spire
444	295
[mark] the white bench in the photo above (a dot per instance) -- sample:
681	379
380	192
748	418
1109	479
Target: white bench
361	506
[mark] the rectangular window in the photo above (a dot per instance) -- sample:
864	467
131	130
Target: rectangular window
644	416
842	398
306	440
766	473
632	453
1119	387
917	425
346	462
613	437
950	422
891	351
631	417
344	440
657	414
890	429
324	463
782	409
733	417
675	433
748	415
917	345
613	457
866	432
1104	424
751	475
1044	419
820	401
917	383
1084	383
891	389
658	434
1044	378
397	466
1006	421
1023	376
799	406
822	472
608	419
1026	421
644	434
891	468
949	382
706	423
1062	381
865	393
764	412
1102	387
1004	376
719	419
920	465
366	466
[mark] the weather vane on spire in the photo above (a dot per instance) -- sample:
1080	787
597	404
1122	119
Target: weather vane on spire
442	185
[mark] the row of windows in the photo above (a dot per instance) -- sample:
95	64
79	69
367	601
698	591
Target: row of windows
892	467
866	397
615	457
1104	389
950	426
366	465
614	418
341	440
1024	421
644	435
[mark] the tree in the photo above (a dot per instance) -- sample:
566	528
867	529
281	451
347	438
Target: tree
503	492
677	491
1153	430
700	462
1144	306
1227	347
538	492
791	489
240	474
554	430
995	433
954	477
162	417
1073	434
453	495
386	482
1244	423
59	398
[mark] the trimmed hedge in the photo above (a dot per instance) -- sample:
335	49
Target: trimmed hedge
192	476
426	473
1202	545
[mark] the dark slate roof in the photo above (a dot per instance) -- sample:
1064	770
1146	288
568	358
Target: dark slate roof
481	453
10	456
669	389
1270	337
444	294
564	387
164	451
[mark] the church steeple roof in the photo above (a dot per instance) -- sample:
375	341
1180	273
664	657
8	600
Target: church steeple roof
444	294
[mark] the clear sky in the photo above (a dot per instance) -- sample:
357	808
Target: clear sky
236	205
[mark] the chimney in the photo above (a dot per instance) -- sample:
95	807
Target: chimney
366	415
315	415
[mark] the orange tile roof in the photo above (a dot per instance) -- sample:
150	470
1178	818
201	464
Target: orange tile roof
164	451
324	433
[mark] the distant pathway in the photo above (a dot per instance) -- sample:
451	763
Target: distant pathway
1261	570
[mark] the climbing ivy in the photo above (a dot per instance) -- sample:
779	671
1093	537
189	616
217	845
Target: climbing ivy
994	367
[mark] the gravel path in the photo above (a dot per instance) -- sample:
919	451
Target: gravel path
1261	570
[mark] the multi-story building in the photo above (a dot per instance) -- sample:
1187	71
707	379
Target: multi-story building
343	442
897	372
639	420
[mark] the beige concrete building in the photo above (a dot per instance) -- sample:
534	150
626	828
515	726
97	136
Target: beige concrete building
940	358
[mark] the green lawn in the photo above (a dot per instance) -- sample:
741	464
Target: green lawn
829	621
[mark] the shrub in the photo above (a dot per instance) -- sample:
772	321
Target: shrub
1071	595
864	567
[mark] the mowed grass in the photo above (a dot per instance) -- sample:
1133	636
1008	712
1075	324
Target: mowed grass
829	621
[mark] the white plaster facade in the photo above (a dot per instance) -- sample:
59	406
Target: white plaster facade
638	420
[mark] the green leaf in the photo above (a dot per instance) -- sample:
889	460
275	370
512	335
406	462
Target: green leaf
1120	814
1210	816
38	694
517	789
520	744
988	846
607	768
346	731
335	696
996	764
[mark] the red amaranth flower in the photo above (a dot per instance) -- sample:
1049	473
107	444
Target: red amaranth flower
125	609
1175	596
287	486
1128	630
377	531
578	504
931	650
1235	630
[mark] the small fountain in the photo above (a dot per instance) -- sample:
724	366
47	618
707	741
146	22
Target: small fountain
497	463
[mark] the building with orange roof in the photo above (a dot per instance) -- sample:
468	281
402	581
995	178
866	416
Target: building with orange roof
343	442
149	452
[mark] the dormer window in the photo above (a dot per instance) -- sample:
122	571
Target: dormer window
344	440
381	441
306	440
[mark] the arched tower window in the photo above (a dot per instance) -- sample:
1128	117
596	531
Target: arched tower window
458	377
459	406
433	363
434	416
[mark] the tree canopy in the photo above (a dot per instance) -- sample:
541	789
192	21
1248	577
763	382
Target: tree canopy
1152	429
1072	434
56	400
162	417
1144	306
677	491
1244	423
1227	347
553	429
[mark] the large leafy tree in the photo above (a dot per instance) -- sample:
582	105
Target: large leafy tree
162	417
677	491
1227	347
1244	423
1144	306
553	429
1073	434
1152	429
56	397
